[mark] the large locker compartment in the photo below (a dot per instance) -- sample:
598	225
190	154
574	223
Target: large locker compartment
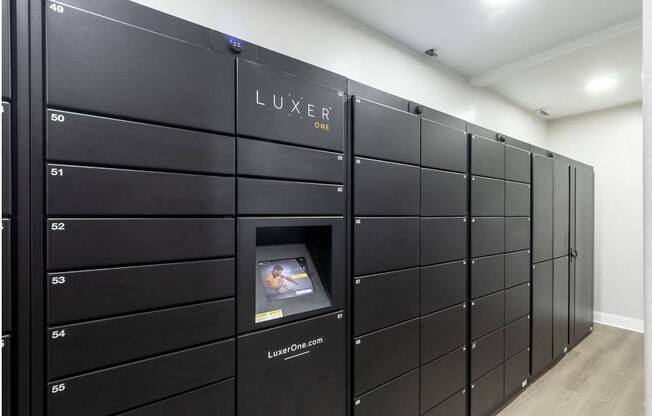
137	209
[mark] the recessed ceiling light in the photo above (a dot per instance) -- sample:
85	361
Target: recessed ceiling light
601	84
496	4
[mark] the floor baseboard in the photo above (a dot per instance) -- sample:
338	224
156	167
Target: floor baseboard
619	321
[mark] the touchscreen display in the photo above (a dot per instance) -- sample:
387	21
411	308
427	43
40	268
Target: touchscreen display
285	278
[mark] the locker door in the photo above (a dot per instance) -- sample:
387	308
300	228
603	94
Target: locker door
560	306
561	209
542	290
542	208
584	251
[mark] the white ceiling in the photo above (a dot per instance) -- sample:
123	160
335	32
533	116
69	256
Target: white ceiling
537	53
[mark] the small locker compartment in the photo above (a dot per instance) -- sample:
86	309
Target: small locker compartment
215	399
283	107
88	294
560	306
487	392
517	233
385	188
442	377
517	199
443	147
487	157
385	299
93	140
382	132
442	286
382	244
487	275
542	316
442	332
453	406
7	277
487	314
380	356
288	269
154	379
487	353
517	164
274	160
517	336
398	397
443	193
517	268
141	82
542	208
517	302
6	157
90	345
91	191
487	197
307	357
487	236
442	239
517	371
136	240
271	197
5	343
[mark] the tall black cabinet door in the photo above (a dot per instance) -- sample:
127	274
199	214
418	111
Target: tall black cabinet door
542	195
560	306
584	247
542	291
561	208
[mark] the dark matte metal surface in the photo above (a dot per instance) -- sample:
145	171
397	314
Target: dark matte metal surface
442	285
517	302
517	199
80	190
487	236
487	275
383	132
442	378
542	212
517	268
383	244
442	332
443	147
560	306
382	355
398	397
517	336
487	392
134	241
487	157
88	139
385	188
443	193
399	293
487	353
143	81
517	164
517	233
542	319
487	314
443	239
487	197
153	379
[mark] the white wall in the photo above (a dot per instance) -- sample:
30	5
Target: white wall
612	141
316	33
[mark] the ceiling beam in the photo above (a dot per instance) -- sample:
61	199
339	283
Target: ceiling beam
494	76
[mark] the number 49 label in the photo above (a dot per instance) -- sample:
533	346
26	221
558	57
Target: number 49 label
56	8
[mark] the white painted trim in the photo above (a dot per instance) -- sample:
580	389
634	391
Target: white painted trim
619	321
500	73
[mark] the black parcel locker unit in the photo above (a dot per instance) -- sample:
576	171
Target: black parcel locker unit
402	221
199	225
129	197
291	239
500	264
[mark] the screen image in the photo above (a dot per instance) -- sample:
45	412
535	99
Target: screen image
285	278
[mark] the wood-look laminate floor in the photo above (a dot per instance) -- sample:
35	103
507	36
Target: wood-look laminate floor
602	376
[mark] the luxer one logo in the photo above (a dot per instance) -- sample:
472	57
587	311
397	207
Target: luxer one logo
297	107
294	350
